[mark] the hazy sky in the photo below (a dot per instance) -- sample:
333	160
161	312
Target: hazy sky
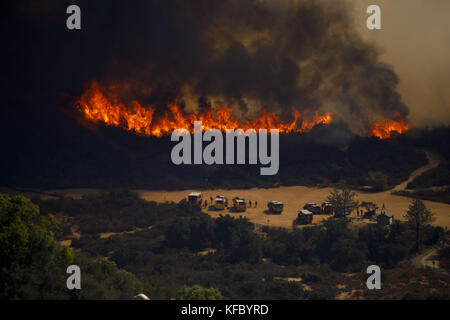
415	39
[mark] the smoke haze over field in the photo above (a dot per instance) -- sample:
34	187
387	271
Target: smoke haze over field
245	54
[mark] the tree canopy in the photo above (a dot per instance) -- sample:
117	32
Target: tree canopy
418	217
33	265
343	201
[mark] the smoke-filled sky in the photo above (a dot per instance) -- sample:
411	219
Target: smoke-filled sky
415	39
305	54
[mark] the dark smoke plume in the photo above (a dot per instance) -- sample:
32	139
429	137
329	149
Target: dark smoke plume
241	53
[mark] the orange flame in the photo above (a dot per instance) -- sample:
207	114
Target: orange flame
386	128
98	108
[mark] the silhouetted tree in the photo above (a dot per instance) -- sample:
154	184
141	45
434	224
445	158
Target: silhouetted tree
343	201
418	217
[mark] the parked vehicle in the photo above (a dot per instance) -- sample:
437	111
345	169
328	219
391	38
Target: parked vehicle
275	206
220	202
303	217
195	198
327	208
239	204
313	207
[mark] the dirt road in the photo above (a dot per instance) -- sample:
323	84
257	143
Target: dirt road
433	162
428	259
105	235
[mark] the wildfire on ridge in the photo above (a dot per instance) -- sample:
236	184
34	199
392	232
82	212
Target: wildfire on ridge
386	128
97	107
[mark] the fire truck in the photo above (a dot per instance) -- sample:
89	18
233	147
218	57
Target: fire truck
239	204
327	208
275	206
220	202
313	208
195	198
303	217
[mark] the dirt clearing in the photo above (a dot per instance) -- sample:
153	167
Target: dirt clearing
294	198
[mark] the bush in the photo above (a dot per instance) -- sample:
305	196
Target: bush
378	180
323	293
198	292
310	277
444	257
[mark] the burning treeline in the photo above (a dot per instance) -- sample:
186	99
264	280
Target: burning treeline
97	107
386	128
143	120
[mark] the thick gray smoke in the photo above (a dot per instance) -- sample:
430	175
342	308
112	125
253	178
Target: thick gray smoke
246	54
